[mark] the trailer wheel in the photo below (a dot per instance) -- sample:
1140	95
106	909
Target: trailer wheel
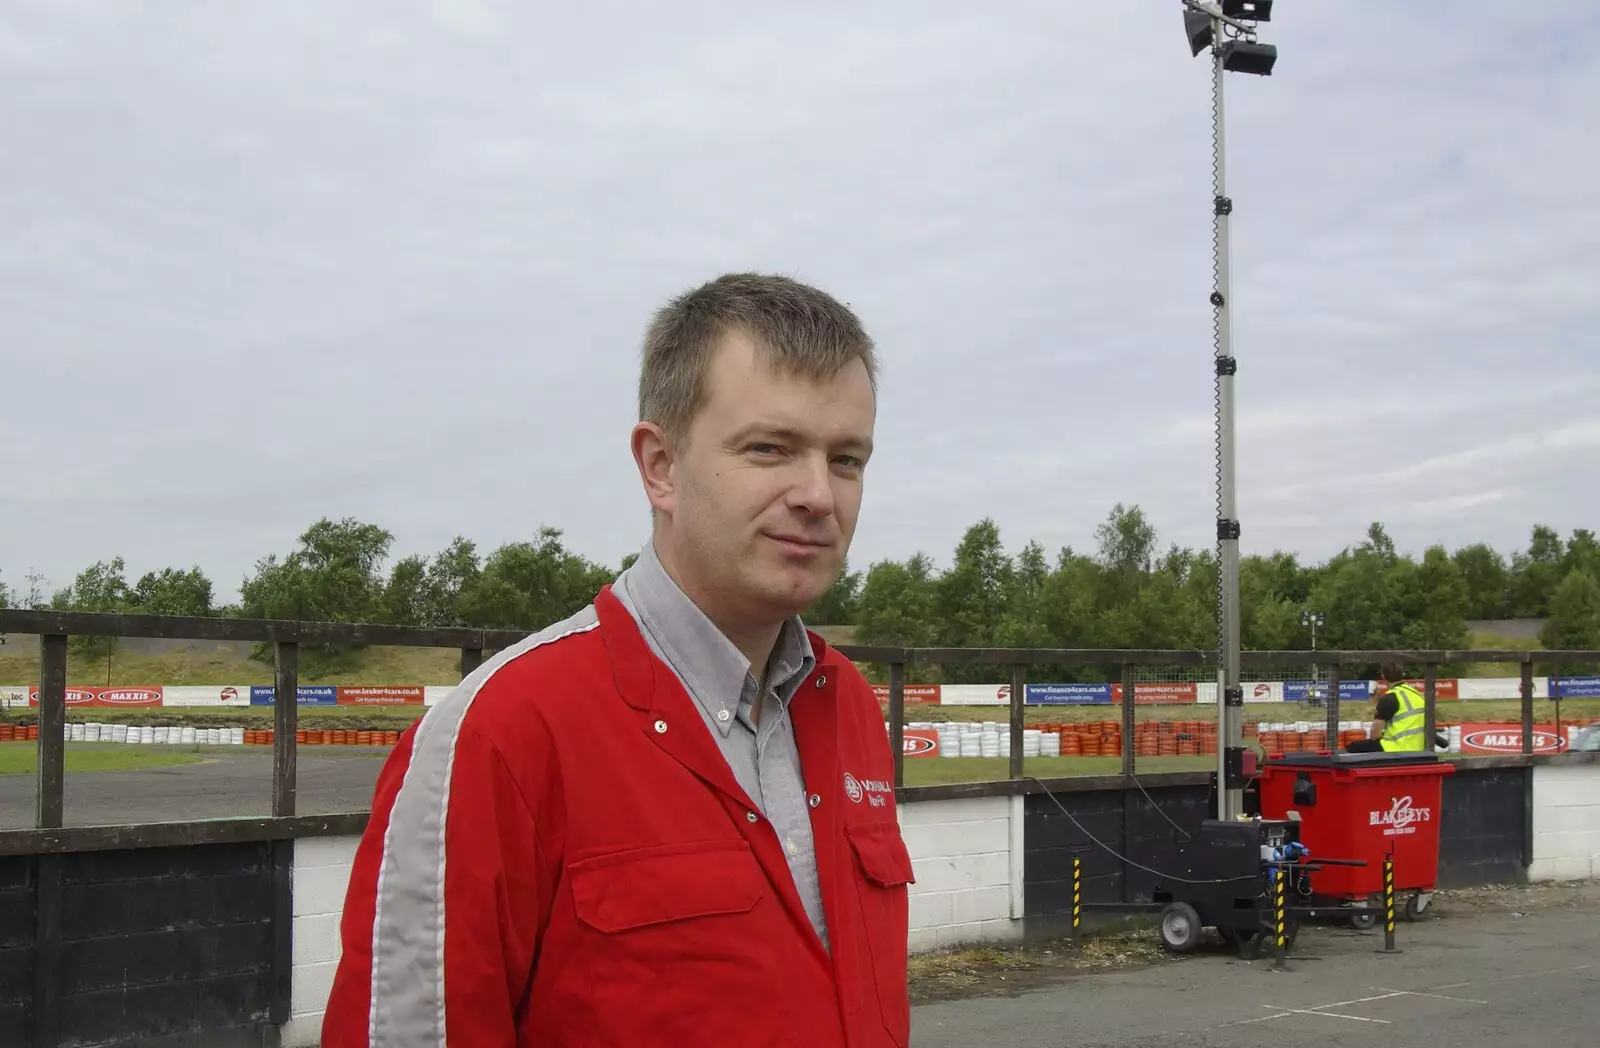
1180	928
1416	905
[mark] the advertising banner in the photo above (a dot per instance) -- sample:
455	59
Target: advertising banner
1573	687
1500	687
1263	690
207	695
1159	693
1205	693
305	695
105	698
365	695
920	742
13	696
1067	695
1304	690
974	694
434	694
923	694
1507	738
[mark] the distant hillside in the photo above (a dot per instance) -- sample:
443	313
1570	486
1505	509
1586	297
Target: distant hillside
373	666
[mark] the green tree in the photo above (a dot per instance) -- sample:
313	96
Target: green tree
896	610
971	599
102	587
838	606
1433	599
173	592
333	575
1535	574
405	596
529	585
1574	621
1487	580
1582	554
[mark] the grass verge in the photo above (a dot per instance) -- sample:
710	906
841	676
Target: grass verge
1005	970
21	758
939	771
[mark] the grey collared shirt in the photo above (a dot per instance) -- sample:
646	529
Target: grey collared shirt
764	758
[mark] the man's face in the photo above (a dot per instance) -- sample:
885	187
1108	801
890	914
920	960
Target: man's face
766	491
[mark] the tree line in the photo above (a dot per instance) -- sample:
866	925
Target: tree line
1127	592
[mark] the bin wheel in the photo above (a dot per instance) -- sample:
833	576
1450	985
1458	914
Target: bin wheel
1180	928
1362	922
1416	905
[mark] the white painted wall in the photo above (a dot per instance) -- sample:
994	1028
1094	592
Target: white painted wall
321	874
1566	822
967	855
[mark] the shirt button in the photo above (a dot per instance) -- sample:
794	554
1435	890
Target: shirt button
661	726
722	715
814	800
789	846
751	816
822	678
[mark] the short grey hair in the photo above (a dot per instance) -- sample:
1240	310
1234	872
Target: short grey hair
802	331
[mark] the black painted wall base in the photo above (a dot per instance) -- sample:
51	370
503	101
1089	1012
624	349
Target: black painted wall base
166	946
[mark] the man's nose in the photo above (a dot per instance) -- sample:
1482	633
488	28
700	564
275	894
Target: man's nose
812	486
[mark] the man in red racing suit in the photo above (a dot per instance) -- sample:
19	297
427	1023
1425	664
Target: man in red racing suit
668	819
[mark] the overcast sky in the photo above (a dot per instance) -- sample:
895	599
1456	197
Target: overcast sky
264	263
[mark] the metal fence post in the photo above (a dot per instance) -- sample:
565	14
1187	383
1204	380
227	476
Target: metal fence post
897	720
1019	690
1335	685
52	731
1527	703
286	719
1130	727
1430	715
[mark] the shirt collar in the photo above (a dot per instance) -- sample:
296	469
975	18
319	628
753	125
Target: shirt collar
715	673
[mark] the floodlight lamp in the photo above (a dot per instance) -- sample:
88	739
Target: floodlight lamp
1248	10
1248	56
1198	26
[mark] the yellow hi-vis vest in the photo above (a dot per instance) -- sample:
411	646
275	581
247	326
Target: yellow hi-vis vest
1404	732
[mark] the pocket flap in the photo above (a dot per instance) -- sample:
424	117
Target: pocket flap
617	891
882	852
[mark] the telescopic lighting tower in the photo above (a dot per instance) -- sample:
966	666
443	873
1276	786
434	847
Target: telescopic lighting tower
1228	29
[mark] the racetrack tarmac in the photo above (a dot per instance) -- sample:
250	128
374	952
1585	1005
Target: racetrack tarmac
1494	979
231	781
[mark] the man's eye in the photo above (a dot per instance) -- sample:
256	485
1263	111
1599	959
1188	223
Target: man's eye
764	449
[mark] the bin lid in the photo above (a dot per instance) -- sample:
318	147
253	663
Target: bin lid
1384	759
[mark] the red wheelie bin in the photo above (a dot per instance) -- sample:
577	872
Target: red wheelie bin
1365	806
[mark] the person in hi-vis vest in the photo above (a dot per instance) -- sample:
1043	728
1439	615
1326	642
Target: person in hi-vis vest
1399	720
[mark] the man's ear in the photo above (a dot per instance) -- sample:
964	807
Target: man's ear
653	454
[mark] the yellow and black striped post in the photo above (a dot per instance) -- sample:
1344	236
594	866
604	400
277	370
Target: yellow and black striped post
1077	896
1388	904
1279	937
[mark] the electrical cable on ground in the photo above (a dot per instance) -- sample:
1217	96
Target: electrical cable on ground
1117	855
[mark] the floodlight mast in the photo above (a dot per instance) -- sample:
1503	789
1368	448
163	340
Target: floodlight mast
1204	24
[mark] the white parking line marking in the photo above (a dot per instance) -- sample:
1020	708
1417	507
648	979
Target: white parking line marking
1442	997
1335	1015
1513	978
